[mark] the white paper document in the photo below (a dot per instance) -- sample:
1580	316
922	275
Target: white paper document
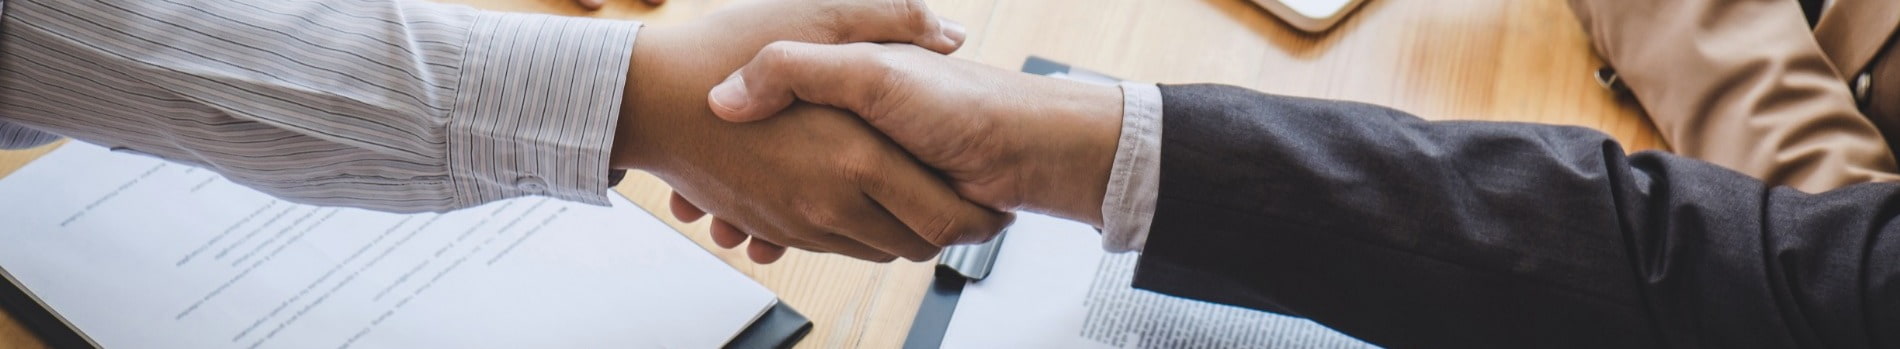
139	253
1054	287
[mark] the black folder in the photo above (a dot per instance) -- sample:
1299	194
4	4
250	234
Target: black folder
778	327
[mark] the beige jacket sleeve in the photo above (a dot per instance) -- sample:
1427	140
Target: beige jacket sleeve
1740	83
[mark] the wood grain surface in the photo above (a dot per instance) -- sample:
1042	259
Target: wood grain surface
1500	60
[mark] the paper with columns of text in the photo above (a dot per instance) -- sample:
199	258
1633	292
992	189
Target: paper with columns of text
1054	287
135	252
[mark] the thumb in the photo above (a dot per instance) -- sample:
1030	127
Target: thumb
841	76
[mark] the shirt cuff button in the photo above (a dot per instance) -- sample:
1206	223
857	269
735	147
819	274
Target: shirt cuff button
531	184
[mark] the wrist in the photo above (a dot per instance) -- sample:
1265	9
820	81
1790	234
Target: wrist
655	101
1073	150
627	151
664	106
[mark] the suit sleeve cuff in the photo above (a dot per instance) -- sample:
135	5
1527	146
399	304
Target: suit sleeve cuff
536	107
1134	181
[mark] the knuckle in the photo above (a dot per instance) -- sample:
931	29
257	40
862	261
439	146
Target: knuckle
776	54
841	21
859	165
845	21
887	62
915	16
941	231
834	19
887	73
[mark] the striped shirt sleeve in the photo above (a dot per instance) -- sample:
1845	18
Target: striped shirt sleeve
390	105
20	137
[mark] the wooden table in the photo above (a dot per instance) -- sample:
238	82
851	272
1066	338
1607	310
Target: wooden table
1451	59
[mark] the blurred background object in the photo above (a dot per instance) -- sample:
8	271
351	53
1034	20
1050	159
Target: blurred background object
1308	15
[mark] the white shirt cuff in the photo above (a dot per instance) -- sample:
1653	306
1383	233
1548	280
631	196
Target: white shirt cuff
1128	208
540	96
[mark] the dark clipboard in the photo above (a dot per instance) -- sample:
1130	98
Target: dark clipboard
778	327
961	265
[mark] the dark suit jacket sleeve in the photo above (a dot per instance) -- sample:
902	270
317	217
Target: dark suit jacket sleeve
1410	233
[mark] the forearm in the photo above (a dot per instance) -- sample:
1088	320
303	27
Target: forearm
1413	233
326	103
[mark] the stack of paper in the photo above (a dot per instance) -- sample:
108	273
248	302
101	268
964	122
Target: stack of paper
136	252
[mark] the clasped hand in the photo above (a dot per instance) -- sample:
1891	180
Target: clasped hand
817	178
779	174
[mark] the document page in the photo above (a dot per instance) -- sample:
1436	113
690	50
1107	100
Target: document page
1054	287
135	252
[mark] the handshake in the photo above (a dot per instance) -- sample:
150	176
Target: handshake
940	150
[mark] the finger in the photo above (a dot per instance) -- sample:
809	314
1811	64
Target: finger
729	235
880	229
851	248
843	76
656	2
590	4
870	225
954	32
929	207
900	21
725	235
896	237
764	252
685	210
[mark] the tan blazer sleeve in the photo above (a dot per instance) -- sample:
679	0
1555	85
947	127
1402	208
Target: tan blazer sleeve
1742	84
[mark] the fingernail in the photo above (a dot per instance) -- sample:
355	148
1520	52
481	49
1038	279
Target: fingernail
953	31
731	94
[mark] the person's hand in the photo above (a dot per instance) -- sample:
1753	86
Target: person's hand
1008	140
819	179
591	5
